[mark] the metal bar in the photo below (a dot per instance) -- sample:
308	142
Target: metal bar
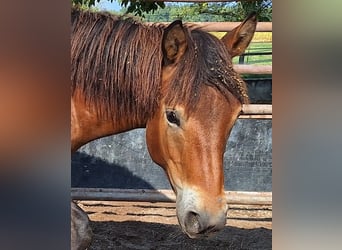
233	197
253	69
256	53
257	109
242	59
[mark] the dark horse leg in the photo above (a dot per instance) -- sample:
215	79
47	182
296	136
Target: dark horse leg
81	232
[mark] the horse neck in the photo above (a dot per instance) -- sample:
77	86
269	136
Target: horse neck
88	125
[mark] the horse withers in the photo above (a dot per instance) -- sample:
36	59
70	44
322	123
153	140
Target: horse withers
179	83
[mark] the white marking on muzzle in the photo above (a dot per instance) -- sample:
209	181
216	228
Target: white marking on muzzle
194	215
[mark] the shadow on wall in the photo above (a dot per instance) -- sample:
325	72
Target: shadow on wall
123	161
259	90
90	171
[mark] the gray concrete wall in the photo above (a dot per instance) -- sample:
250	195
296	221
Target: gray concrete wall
122	161
260	90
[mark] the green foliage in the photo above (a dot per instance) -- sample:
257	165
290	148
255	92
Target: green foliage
86	3
198	12
262	7
195	12
139	7
212	12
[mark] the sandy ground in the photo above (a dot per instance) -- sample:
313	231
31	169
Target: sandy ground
145	225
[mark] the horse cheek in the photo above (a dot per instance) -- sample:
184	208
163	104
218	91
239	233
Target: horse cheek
154	143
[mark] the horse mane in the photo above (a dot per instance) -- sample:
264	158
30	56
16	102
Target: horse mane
206	62
116	64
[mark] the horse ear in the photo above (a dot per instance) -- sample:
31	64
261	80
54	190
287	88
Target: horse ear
239	38
174	42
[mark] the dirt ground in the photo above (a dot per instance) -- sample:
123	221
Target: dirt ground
145	225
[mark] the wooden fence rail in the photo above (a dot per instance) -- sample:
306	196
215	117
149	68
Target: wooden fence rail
253	69
256	111
233	197
227	26
201	1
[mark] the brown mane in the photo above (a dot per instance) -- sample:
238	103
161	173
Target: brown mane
116	63
206	62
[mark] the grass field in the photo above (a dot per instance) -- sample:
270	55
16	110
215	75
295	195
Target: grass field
258	36
262	42
256	47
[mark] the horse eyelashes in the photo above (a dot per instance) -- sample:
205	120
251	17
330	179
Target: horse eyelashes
172	118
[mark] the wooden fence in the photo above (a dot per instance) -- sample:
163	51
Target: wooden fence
227	26
256	111
233	197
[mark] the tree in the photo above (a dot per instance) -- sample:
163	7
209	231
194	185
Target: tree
211	12
185	12
262	7
237	11
137	7
158	11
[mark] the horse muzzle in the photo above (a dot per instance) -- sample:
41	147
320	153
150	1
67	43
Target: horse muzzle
201	225
199	218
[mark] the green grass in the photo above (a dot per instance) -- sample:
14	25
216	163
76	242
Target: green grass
257	59
262	42
255	47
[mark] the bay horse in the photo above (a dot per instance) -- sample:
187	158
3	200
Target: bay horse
178	82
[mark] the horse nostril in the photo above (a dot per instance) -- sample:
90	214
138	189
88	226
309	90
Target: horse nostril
192	223
197	226
210	229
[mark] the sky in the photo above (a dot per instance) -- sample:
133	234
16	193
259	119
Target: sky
107	5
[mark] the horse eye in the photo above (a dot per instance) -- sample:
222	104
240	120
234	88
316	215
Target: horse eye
172	118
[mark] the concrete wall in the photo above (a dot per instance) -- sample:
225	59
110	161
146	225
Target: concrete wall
122	161
260	90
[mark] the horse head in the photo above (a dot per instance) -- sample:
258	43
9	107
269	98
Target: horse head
201	98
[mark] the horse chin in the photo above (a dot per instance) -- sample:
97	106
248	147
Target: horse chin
201	236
